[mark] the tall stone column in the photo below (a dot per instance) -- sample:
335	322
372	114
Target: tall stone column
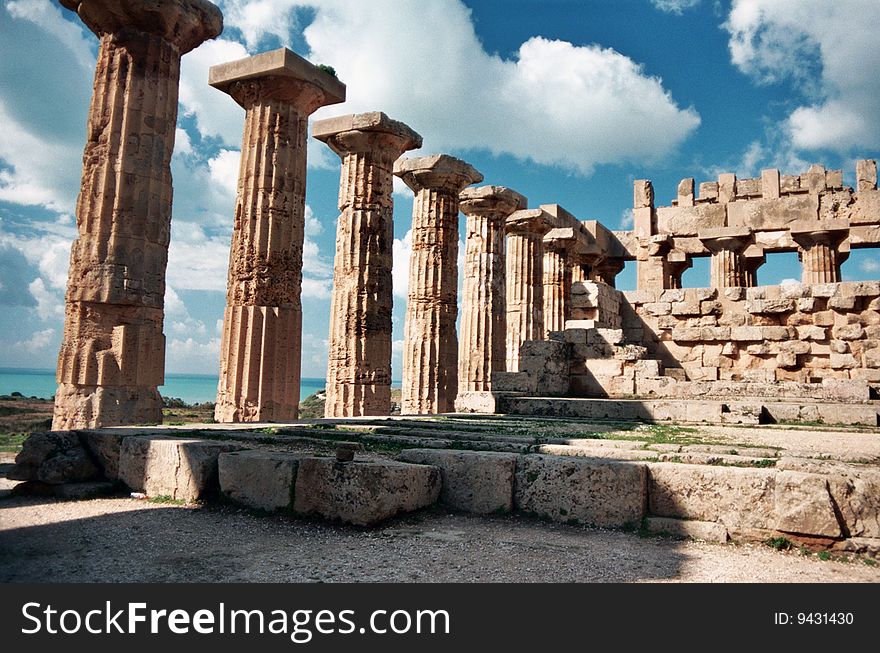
558	248
819	249
726	245
262	325
430	346
482	344
525	280
359	356
112	357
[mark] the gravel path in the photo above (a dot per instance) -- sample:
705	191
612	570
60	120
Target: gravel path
123	539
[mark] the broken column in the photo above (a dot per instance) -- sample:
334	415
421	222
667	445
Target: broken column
262	326
112	357
525	280
430	348
726	245
819	243
359	356
559	244
483	310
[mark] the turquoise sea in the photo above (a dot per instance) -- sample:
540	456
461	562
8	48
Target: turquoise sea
192	388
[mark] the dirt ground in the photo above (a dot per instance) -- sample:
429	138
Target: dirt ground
122	539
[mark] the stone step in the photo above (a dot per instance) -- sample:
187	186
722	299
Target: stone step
611	453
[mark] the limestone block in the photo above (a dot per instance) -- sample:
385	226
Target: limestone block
740	498
841	303
711	308
258	478
686	334
803	505
848	332
746	333
55	457
688	221
659	308
609	336
363	493
810	332
787	359
104	446
777	332
823	318
599	492
770	305
478	482
806	304
866	175
180	468
839	346
714	333
513	382
843	361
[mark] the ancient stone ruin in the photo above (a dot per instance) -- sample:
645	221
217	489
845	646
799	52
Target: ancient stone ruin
112	356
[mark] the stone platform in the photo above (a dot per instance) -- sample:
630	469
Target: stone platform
816	486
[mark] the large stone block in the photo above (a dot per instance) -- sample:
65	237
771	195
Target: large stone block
740	498
803	505
105	445
591	491
259	479
180	468
54	457
363	492
473	481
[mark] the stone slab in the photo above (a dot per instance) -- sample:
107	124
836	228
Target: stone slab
258	478
181	468
604	493
475	482
363	493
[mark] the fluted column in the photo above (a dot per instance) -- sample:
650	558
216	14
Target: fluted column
359	356
726	244
261	345
430	347
482	343
525	280
820	248
112	357
557	286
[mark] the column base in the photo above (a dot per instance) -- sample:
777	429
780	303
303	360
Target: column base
89	407
358	400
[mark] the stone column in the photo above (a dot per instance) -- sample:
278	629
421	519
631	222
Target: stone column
430	345
726	245
819	249
262	326
525	280
359	356
112	357
752	259
482	345
558	244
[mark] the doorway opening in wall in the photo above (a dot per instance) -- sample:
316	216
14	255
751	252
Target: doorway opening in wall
863	264
626	278
779	267
696	276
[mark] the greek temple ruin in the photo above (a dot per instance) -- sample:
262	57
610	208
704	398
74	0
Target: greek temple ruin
540	314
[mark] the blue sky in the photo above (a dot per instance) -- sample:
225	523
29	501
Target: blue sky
566	101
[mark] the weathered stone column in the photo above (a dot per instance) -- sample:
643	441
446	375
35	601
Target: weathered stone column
359	356
752	259
430	346
112	357
482	344
726	245
262	326
558	244
525	280
818	249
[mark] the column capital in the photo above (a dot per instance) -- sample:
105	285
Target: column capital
183	23
727	238
808	232
536	222
491	201
561	239
277	75
437	172
366	132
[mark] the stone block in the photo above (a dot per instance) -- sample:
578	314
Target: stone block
777	333
478	482
740	498
54	457
746	333
180	468
603	493
105	445
841	303
363	493
848	332
259	479
811	332
659	308
803	505
686	334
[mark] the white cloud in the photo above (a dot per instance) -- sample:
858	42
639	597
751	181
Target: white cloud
223	169
401	251
182	143
50	18
259	19
50	304
177	317
675	6
829	51
192	356
554	103
627	219
870	265
38	341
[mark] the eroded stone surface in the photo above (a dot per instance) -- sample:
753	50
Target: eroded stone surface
259	479
54	458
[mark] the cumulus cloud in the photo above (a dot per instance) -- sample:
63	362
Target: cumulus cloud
554	103
401	251
828	51
675	6
38	341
